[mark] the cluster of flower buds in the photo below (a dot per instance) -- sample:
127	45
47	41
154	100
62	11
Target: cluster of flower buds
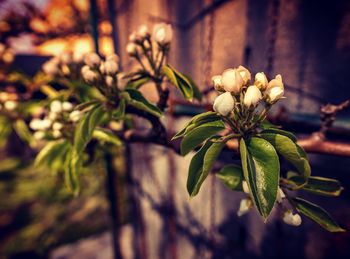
6	55
141	40
67	64
105	73
8	101
59	117
236	86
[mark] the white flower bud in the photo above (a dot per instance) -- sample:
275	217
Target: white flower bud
232	81
245	187
131	49
56	106
57	126
244	207
142	31
10	105
245	74
162	33
35	124
75	116
65	70
39	135
92	60
224	103
109	81
113	57
291	219
84	69
111	67
252	96
52	116
45	124
217	83
261	81
50	67
67	106
56	134
275	89
280	195
133	37
90	76
78	57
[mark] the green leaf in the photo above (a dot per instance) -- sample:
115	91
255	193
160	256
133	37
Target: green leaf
317	214
23	131
261	171
5	130
73	165
107	136
180	81
136	84
138	101
317	185
196	121
120	111
281	132
197	135
265	124
52	152
291	151
197	94
84	129
201	164
231	176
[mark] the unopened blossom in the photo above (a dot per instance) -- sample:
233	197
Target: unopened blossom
110	67
244	207
133	37
131	49
10	105
90	76
109	81
56	133
142	31
113	57
252	96
67	106
39	135
51	67
92	60
261	81
232	81
245	187
217	82
275	89
56	106
280	195
245	74
291	219
57	126
162	33
75	116
37	124
224	103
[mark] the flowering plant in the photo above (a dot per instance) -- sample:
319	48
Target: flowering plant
101	100
240	113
